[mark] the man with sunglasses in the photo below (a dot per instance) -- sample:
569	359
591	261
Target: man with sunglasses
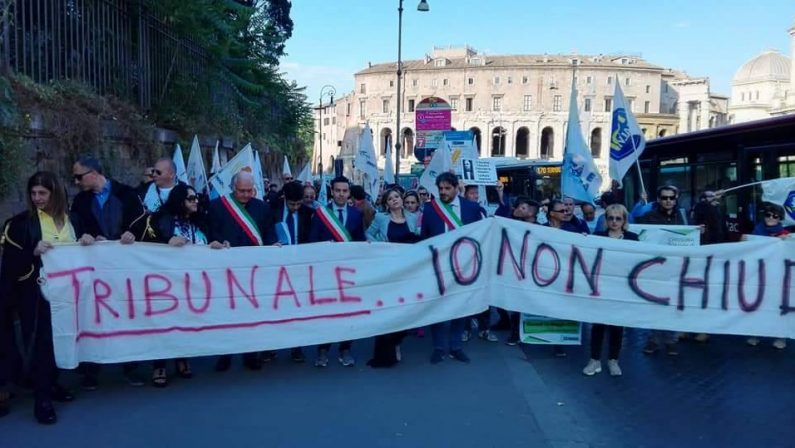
107	211
425	197
164	178
664	212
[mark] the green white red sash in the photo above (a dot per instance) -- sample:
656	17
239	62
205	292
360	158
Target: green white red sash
445	211
243	219
333	224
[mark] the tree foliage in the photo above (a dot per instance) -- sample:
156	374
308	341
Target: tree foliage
242	91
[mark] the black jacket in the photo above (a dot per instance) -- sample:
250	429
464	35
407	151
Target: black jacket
629	236
224	228
304	219
122	210
656	216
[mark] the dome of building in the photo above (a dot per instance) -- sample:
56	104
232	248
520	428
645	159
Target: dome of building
768	66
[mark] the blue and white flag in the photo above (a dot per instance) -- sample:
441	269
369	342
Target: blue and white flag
781	192
389	167
580	179
197	177
216	166
322	195
242	161
626	139
259	179
179	162
366	163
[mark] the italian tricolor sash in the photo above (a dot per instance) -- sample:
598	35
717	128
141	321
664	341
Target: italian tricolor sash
333	224
445	211
243	219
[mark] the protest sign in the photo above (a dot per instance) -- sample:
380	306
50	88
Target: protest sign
115	303
667	235
540	330
478	171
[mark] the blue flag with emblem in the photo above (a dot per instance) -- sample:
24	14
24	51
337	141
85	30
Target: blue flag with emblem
580	179
626	139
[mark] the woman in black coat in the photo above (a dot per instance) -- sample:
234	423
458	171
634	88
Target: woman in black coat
27	236
178	222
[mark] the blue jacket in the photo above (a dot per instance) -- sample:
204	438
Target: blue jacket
354	223
433	224
380	226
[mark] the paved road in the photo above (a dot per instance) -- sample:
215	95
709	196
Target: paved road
719	394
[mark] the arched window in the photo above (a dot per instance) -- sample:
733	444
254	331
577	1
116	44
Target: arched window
547	143
498	141
596	142
408	143
662	133
386	139
476	132
522	142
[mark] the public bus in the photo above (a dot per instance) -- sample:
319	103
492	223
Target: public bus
537	179
718	159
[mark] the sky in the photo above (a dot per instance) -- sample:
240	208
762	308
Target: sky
333	39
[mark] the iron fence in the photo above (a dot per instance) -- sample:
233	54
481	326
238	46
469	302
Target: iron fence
117	47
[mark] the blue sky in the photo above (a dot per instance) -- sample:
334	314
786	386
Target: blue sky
332	39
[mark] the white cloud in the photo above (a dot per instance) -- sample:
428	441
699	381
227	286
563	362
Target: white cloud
314	77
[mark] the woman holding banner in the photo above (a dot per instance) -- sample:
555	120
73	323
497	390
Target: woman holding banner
26	237
177	223
395	225
617	219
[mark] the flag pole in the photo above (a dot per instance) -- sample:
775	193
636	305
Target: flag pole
635	149
742	186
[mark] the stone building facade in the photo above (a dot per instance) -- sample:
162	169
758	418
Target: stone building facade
516	105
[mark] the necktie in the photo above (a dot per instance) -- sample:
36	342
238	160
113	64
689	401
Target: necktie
339	214
291	228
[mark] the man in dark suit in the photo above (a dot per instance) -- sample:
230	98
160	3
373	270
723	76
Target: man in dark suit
293	220
338	222
446	213
107	210
238	220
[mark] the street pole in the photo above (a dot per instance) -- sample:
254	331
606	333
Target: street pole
399	140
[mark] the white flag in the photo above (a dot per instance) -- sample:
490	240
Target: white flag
441	162
242	161
179	161
322	195
365	161
579	179
781	192
626	139
305	176
197	177
216	166
259	180
389	168
286	169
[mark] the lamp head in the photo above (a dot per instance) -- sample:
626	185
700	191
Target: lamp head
423	6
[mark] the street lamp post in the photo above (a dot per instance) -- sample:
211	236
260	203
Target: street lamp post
329	91
423	6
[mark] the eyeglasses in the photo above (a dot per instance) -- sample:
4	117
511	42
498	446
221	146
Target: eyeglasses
156	172
667	198
192	198
772	215
615	218
79	177
563	210
423	194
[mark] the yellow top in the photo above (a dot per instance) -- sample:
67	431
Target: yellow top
50	232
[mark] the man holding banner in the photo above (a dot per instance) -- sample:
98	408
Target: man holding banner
238	220
337	222
444	214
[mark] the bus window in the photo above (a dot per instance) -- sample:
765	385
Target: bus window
786	166
676	172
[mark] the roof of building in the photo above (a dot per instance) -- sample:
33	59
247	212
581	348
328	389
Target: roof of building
512	61
768	66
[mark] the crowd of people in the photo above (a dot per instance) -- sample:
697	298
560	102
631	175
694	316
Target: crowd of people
166	211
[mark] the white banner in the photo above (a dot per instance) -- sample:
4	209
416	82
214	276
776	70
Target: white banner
114	303
667	235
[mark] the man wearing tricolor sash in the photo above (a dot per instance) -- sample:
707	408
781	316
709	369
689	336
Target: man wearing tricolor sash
444	214
337	222
237	220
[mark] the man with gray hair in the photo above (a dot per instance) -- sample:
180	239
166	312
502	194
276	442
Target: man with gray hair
237	220
164	178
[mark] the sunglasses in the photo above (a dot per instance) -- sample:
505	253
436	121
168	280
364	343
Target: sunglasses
615	218
192	198
667	198
423	194
563	210
156	172
79	177
772	215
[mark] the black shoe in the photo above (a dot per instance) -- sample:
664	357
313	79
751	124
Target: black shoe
62	394
224	363
437	357
269	356
512	341
134	379
297	355
252	363
89	383
4	409
44	412
459	355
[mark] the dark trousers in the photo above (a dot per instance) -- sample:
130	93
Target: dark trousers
34	315
515	319
92	369
10	361
615	336
384	349
344	345
161	363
